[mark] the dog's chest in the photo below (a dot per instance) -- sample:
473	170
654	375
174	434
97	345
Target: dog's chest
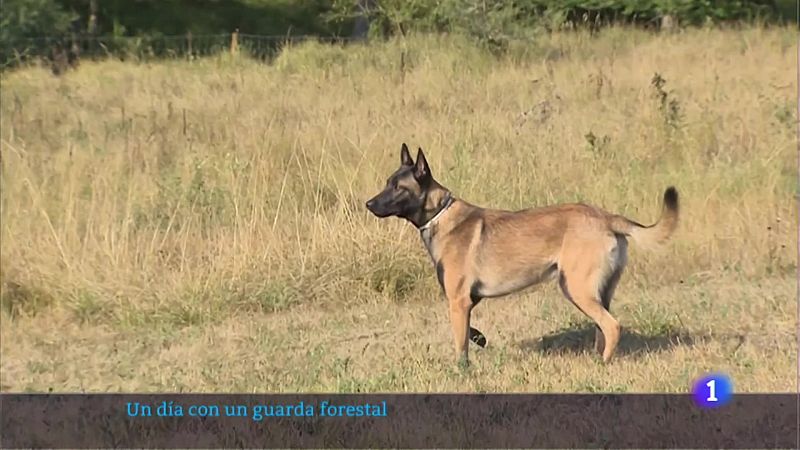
428	241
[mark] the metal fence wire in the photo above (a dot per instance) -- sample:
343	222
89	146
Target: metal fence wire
68	50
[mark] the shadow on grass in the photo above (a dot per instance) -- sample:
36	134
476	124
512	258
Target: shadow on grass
578	339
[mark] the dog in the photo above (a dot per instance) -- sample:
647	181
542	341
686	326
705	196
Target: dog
483	253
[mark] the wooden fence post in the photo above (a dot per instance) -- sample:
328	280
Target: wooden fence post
235	42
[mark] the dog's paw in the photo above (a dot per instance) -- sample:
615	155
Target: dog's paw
477	337
463	363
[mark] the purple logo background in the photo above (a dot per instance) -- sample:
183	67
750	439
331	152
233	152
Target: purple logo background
712	390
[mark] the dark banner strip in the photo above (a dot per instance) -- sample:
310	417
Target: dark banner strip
82	421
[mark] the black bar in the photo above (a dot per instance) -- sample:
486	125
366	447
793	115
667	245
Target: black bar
82	421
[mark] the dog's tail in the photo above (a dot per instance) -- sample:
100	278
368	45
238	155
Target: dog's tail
656	233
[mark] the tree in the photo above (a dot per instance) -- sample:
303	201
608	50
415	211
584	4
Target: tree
24	24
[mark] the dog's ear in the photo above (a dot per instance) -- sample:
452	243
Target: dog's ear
421	169
405	156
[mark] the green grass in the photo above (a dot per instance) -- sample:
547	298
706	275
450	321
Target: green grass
200	225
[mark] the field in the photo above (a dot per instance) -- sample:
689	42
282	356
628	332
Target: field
199	225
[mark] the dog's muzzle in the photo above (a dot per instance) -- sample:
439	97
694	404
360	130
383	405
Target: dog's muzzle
375	208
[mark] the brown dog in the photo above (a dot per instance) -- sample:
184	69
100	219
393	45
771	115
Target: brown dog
482	253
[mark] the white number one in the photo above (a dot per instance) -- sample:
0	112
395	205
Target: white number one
711	388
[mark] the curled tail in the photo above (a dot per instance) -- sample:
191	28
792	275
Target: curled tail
656	233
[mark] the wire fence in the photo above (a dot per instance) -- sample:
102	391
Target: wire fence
68	50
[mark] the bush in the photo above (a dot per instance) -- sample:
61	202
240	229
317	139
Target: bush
491	22
497	20
689	12
24	22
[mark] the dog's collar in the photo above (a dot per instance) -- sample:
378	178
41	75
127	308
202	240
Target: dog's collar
447	203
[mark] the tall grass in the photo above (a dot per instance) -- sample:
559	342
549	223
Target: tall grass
181	192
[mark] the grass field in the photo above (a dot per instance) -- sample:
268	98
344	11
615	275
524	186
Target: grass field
199	226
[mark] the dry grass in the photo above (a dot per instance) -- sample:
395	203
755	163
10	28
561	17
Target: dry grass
200	225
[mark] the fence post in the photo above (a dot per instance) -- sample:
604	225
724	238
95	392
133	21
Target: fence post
667	23
235	42
189	52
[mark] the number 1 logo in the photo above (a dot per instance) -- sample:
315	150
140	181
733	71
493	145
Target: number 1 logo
712	391
711	397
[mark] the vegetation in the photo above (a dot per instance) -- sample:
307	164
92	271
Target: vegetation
199	224
164	17
499	17
147	28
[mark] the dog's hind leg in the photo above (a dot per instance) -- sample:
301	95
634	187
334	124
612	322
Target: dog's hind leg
606	294
586	300
579	279
618	258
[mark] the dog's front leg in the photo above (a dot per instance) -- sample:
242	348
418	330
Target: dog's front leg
460	309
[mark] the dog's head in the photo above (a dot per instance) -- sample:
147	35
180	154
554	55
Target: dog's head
410	192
